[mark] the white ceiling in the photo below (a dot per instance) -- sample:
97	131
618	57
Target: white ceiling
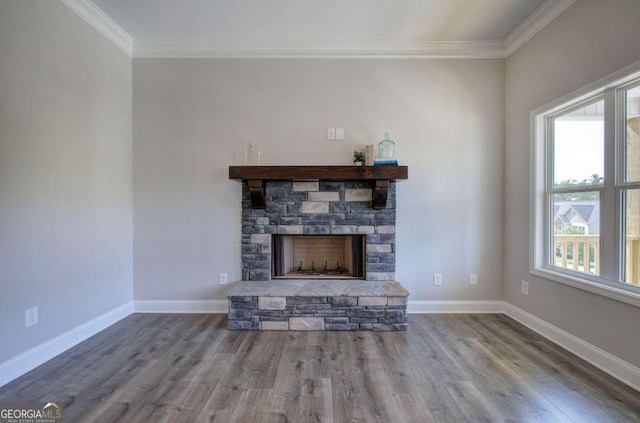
325	27
275	20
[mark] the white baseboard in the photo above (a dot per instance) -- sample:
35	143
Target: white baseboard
181	306
454	306
608	363
221	306
29	360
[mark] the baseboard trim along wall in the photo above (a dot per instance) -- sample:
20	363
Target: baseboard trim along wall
181	306
608	363
454	306
29	360
221	306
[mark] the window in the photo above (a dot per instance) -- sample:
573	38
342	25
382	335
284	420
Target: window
630	190
586	188
575	139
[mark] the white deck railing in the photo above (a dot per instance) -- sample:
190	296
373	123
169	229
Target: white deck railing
568	248
582	253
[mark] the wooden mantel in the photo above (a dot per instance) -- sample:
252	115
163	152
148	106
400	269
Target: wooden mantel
257	176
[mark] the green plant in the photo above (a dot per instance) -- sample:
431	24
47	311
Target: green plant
358	156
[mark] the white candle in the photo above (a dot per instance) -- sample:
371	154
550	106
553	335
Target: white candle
253	152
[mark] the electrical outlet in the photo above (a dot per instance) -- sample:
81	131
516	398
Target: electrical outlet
437	279
473	279
331	133
31	316
222	278
525	287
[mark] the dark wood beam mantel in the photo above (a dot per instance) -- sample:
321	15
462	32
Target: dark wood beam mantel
257	176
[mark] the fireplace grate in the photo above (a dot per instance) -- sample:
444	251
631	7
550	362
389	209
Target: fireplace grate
339	270
308	256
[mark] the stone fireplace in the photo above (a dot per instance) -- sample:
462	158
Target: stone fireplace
319	209
318	254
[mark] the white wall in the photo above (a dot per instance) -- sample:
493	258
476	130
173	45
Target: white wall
65	173
192	118
590	40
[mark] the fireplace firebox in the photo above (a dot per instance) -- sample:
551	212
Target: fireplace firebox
318	256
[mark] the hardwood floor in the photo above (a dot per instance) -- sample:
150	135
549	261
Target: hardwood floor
445	368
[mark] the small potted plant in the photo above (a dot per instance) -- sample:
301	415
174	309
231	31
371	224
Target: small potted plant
358	157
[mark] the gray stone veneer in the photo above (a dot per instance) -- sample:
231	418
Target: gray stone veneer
318	305
318	208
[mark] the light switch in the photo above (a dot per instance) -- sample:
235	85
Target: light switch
339	133
331	133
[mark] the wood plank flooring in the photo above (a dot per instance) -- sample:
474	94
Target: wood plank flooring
445	368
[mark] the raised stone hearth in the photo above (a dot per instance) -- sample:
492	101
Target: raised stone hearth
318	305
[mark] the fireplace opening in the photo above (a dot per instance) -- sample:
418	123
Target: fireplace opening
318	256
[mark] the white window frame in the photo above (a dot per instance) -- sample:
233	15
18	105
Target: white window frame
608	282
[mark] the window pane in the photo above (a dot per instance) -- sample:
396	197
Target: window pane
576	231
578	147
632	236
633	135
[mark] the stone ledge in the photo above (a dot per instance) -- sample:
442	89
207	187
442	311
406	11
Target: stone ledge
317	288
328	305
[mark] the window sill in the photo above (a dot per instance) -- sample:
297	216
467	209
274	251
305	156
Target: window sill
625	293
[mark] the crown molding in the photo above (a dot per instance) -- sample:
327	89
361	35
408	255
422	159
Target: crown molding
541	17
374	49
99	20
491	49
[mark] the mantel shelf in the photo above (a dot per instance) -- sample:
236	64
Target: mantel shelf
324	173
256	176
